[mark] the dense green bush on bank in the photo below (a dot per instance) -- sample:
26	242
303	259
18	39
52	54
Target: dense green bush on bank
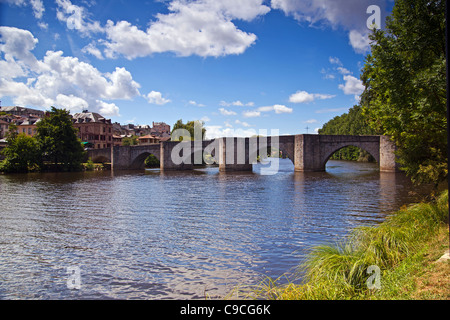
55	147
347	270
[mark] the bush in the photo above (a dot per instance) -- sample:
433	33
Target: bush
90	166
152	162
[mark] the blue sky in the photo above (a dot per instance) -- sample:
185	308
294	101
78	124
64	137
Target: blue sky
239	65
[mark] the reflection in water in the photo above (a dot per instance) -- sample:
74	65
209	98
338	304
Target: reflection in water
172	235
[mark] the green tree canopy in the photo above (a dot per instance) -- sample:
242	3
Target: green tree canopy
58	141
130	141
405	80
22	153
355	122
179	127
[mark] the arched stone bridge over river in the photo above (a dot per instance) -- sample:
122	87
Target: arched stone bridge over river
307	152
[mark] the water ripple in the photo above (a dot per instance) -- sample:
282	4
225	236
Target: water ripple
178	235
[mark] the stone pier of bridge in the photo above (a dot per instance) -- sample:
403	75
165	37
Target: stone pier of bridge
307	152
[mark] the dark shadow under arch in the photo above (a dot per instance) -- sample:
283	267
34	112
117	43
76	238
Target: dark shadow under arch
370	153
101	159
139	162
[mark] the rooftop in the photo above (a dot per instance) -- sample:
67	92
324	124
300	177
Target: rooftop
89	117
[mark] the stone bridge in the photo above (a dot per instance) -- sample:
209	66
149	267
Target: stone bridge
307	152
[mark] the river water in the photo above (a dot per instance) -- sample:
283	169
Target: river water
178	235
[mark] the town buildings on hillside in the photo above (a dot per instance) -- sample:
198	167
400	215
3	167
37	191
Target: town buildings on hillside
94	130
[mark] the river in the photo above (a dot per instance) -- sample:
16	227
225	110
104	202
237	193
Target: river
178	235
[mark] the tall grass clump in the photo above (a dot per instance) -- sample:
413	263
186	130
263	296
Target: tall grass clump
340	271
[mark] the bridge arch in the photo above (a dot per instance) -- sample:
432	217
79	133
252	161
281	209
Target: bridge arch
101	159
329	151
307	152
139	161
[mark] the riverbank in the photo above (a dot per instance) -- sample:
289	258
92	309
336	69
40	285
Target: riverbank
393	260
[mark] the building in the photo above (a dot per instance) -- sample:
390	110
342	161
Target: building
27	126
4	126
23	112
160	128
94	129
117	140
148	139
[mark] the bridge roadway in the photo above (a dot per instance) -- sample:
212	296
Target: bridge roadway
307	152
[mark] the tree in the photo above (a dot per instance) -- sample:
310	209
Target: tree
152	161
355	122
22	153
130	141
182	131
57	138
405	87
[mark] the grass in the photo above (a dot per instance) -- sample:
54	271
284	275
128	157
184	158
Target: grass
400	253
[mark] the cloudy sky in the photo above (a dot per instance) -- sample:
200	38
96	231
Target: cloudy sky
239	65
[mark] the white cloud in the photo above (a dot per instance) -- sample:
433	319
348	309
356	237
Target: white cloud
71	102
343	70
215	132
311	121
277	108
251	114
360	41
36	5
194	103
56	79
205	119
108	109
352	85
237	103
243	123
282	109
335	60
202	28
42	25
93	50
305	97
38	8
155	97
17	44
351	15
226	112
76	18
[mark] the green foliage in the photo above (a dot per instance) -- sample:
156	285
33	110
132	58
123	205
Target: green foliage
152	162
90	166
355	122
130	141
396	247
58	140
22	154
186	131
405	80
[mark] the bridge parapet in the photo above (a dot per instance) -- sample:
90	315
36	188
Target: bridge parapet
307	152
